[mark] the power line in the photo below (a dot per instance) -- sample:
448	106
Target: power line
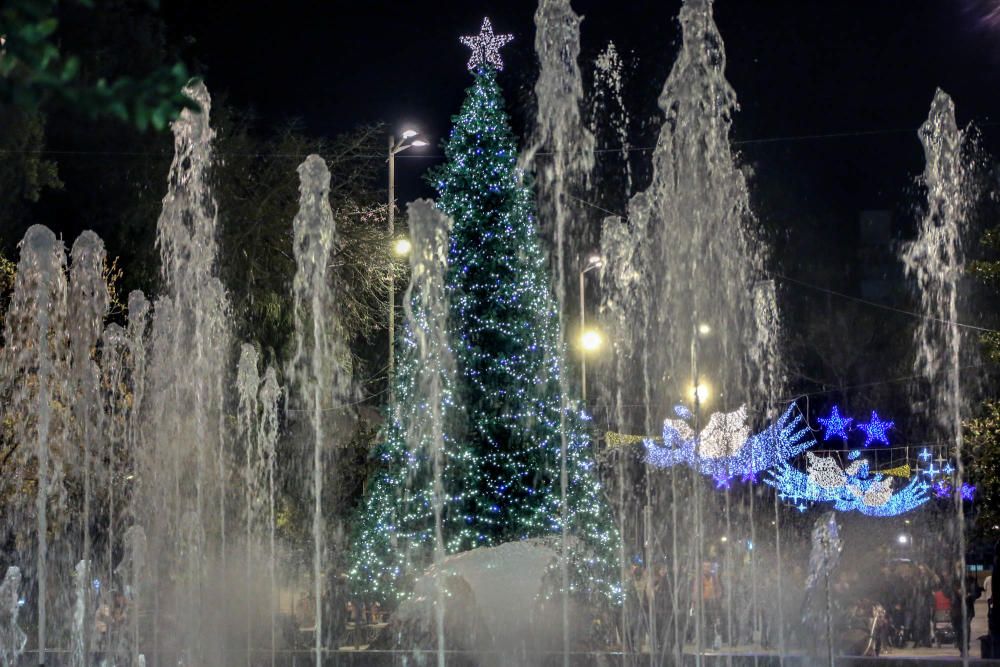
436	156
842	295
883	306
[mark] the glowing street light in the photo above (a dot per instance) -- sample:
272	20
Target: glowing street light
593	262
396	147
591	340
704	329
402	247
700	392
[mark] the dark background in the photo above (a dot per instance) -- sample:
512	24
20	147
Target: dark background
799	68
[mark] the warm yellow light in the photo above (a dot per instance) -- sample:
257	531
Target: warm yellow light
704	329
701	392
402	247
591	340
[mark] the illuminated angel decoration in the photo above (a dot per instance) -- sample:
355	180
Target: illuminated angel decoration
725	448
851	489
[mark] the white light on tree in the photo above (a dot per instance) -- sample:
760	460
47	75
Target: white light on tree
485	47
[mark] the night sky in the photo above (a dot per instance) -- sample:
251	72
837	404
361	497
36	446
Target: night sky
799	68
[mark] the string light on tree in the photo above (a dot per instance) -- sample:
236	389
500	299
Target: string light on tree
503	449
968	491
835	426
485	47
876	430
925	454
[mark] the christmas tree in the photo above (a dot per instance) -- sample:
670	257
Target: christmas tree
502	463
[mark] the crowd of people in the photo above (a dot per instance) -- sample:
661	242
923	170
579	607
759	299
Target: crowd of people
903	604
907	605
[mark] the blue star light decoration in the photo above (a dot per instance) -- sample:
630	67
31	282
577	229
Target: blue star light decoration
729	451
968	491
876	430
485	47
925	454
835	425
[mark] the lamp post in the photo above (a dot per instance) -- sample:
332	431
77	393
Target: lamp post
589	340
398	247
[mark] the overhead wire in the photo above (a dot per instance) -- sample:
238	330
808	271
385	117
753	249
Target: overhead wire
437	156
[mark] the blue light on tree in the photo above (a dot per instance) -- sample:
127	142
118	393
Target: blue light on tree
925	454
835	425
725	449
876	430
968	491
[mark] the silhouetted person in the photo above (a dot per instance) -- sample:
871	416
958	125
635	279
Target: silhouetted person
963	630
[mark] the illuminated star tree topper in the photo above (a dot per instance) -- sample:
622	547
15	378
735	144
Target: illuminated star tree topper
485	47
835	426
876	430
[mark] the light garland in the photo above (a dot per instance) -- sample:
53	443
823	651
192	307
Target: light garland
612	439
861	491
902	471
725	449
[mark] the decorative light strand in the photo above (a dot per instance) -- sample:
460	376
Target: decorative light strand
723	448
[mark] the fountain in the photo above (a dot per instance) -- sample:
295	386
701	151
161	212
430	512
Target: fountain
146	476
935	259
681	271
315	370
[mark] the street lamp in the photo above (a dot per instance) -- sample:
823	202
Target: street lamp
401	247
700	392
395	146
591	340
593	262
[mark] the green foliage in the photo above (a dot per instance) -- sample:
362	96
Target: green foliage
504	416
8	272
256	186
33	70
982	432
982	449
